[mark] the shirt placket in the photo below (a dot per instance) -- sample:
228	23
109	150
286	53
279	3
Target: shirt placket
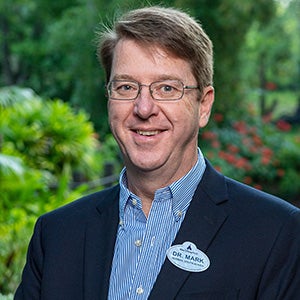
158	223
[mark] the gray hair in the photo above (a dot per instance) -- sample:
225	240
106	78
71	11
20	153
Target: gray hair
171	29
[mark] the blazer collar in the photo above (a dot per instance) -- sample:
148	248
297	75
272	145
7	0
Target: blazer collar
100	236
203	220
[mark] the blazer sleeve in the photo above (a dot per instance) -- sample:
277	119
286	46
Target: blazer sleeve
281	278
30	286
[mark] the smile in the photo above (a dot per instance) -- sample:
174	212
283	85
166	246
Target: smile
147	133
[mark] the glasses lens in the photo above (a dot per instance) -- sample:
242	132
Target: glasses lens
123	89
167	90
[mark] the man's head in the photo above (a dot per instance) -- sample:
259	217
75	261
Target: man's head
159	74
170	29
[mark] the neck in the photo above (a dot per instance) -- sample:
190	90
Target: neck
144	186
144	183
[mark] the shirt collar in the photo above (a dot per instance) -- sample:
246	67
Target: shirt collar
182	190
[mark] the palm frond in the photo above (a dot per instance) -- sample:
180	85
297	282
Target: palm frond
11	165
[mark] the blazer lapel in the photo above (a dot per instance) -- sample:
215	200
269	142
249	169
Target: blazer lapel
101	232
202	222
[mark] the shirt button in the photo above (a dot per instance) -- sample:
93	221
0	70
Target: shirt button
152	241
140	290
134	202
179	214
138	243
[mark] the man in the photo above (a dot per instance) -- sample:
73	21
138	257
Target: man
174	228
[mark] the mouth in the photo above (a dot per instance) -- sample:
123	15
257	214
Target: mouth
148	132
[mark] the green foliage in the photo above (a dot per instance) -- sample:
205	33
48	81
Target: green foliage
6	297
49	46
43	145
227	23
48	135
264	46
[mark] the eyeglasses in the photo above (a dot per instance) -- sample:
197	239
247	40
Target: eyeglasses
165	90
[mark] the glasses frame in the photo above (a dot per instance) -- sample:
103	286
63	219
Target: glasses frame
140	85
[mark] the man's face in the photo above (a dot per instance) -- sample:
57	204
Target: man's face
155	135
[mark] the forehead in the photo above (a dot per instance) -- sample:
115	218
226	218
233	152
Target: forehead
140	60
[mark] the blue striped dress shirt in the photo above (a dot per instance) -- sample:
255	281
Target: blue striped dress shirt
142	242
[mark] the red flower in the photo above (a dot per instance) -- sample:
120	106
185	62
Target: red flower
257	186
265	160
215	144
230	158
233	149
283	125
210	155
271	86
222	154
240	127
247	180
280	172
267	152
218	168
243	163
218	117
257	140
209	135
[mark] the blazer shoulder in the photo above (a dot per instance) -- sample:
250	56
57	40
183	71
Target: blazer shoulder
83	206
243	199
236	189
249	200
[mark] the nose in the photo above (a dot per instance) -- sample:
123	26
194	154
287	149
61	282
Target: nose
144	105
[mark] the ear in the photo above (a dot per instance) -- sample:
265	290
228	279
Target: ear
206	103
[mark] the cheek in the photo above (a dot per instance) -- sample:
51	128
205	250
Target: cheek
189	113
115	116
182	115
111	114
117	111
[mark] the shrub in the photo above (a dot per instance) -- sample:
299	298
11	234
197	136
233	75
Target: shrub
43	144
6	297
256	153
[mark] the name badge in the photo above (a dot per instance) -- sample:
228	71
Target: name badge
187	257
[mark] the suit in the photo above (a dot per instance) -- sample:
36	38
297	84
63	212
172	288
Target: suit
251	238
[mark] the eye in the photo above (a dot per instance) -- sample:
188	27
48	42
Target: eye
166	88
125	86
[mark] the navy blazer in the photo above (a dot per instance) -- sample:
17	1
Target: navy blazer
251	238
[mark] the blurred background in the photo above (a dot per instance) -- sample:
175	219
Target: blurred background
55	144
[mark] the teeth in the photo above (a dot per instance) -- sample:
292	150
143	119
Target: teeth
147	133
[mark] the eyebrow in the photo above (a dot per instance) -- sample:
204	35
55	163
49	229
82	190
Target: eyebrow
123	77
159	78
